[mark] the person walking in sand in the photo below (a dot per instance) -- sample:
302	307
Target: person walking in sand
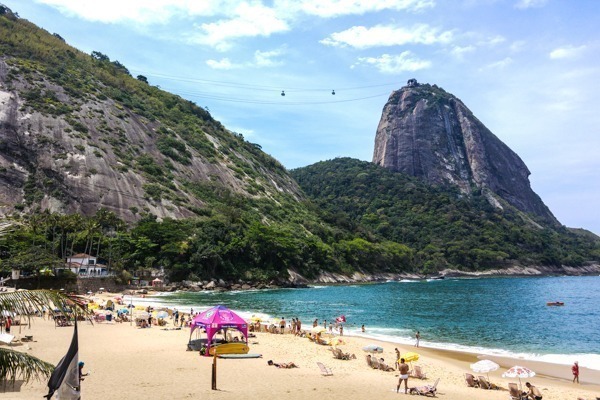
418	338
575	371
403	376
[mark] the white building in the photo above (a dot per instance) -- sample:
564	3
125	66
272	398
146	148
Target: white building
85	265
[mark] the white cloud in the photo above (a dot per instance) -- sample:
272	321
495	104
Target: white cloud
336	8
361	37
262	59
523	4
517	46
500	64
460	51
567	52
143	12
251	20
267	58
393	64
491	41
224	64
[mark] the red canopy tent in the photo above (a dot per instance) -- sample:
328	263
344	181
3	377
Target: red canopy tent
217	318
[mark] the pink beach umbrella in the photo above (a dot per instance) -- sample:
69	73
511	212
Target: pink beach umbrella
519	372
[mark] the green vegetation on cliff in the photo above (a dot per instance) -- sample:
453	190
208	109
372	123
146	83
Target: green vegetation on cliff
246	216
444	228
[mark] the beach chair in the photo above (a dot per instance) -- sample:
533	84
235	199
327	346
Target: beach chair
417	372
6	338
514	392
471	381
324	370
427	390
485	384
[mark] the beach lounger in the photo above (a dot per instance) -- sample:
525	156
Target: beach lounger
485	384
471	381
6	338
324	370
514	392
427	390
417	372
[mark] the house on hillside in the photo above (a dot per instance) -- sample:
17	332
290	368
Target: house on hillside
85	265
149	276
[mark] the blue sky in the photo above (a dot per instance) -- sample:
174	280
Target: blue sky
528	69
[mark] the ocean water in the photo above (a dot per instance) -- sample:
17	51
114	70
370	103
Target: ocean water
502	316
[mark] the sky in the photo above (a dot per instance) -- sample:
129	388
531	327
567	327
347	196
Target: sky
528	69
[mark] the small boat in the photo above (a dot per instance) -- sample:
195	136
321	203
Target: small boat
555	303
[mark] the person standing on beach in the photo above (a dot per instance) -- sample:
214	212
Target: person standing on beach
362	328
282	325
418	338
341	330
315	323
575	371
403	376
397	363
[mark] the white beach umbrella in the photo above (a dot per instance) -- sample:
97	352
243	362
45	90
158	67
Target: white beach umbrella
519	372
484	367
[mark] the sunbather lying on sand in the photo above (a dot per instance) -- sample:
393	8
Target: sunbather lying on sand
282	365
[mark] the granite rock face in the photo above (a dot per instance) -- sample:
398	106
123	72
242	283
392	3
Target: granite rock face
429	133
104	155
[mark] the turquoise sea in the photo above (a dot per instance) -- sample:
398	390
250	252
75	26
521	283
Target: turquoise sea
503	316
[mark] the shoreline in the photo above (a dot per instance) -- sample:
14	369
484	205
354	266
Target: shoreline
547	368
128	362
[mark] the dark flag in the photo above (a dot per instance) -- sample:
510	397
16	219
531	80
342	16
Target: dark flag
64	381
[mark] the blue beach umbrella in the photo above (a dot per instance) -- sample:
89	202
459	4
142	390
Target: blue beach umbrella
373	348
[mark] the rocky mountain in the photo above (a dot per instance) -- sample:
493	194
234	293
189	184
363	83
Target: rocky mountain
430	134
79	133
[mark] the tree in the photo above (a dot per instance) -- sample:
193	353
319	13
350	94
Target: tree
99	56
15	364
142	78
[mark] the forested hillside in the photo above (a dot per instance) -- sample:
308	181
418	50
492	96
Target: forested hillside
442	227
94	160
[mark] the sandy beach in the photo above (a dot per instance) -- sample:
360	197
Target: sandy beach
126	362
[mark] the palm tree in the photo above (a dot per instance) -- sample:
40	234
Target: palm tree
15	364
26	303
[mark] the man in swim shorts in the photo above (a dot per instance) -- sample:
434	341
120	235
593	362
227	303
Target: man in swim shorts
403	376
534	393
